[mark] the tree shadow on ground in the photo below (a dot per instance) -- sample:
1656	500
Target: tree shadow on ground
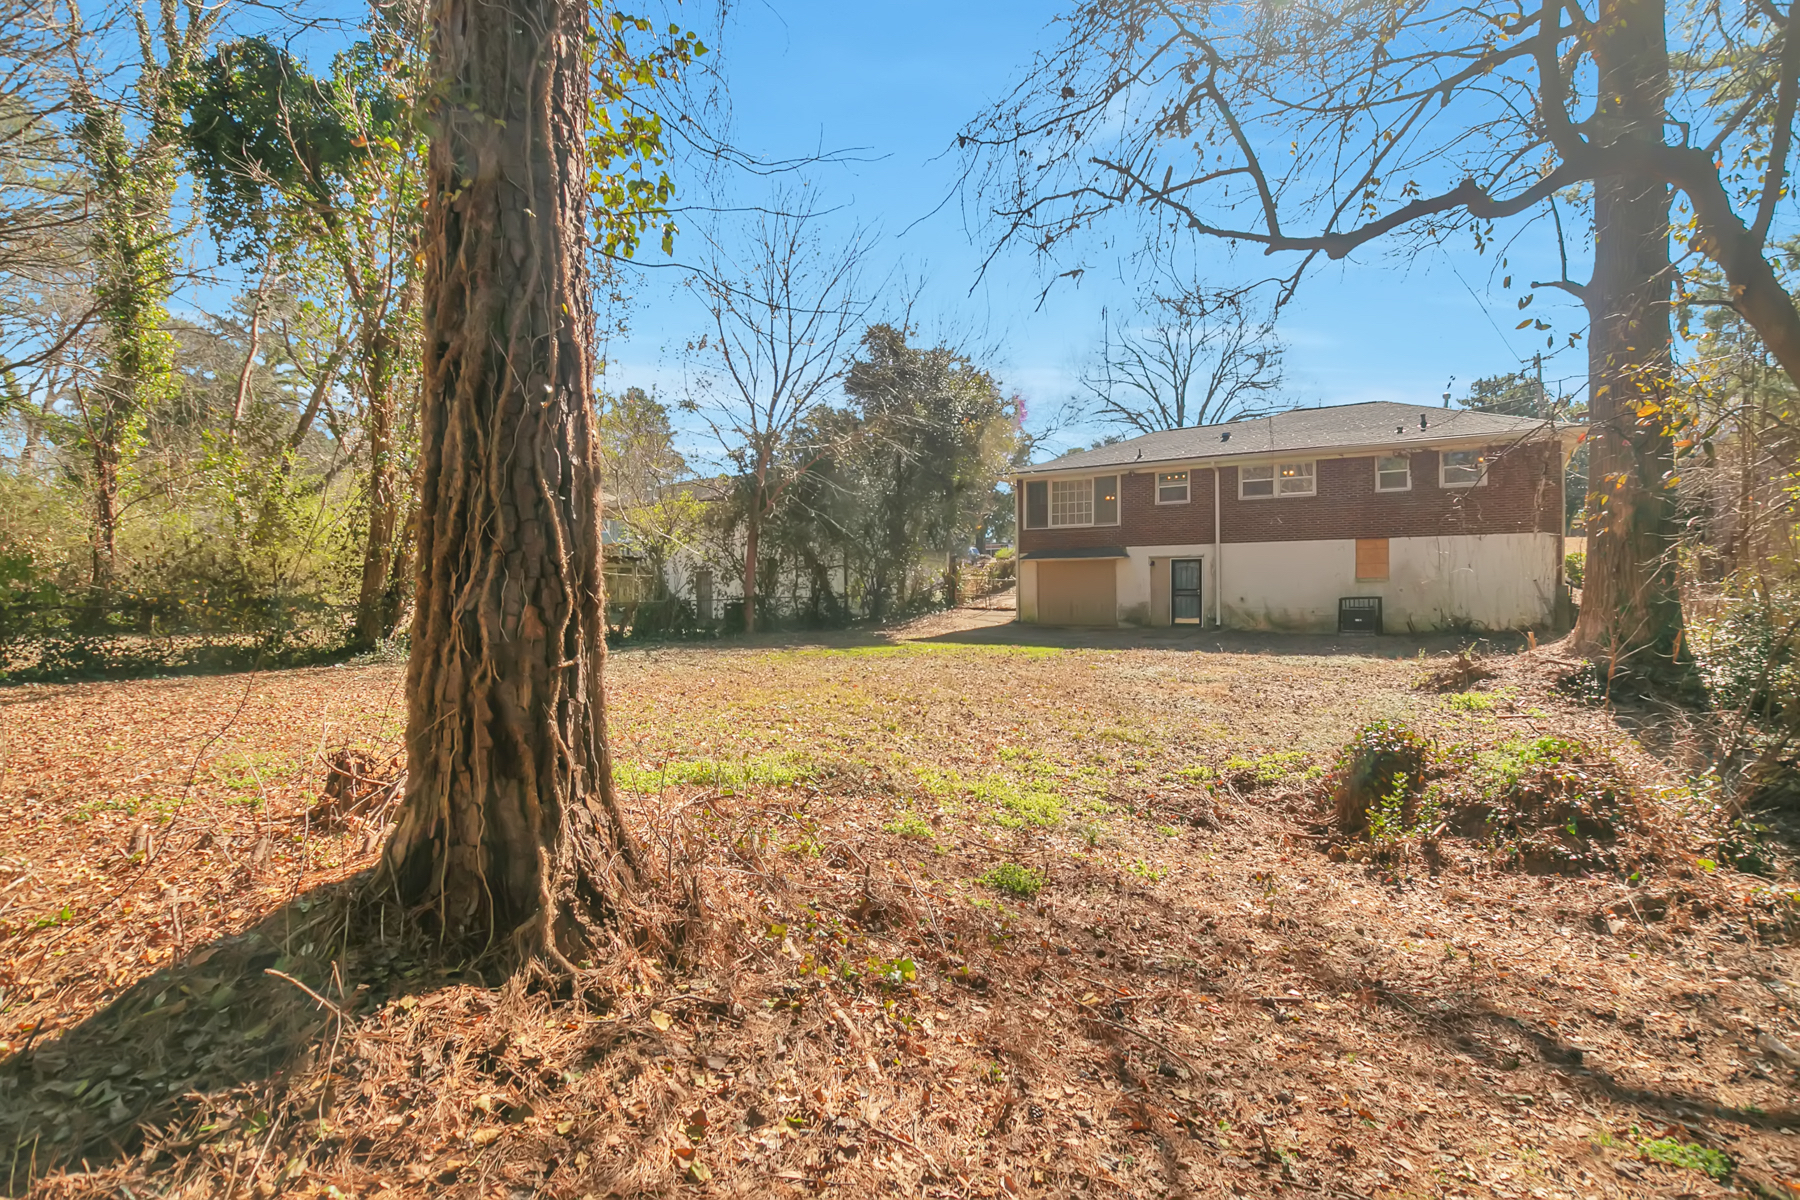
225	1029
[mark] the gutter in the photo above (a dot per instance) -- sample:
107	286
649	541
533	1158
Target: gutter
1218	560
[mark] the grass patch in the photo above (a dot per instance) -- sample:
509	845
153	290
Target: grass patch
1013	805
1715	1163
909	825
768	770
1475	702
1014	880
1269	768
904	649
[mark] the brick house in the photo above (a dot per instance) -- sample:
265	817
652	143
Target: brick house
1359	517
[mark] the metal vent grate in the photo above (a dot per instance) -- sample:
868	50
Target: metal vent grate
1359	614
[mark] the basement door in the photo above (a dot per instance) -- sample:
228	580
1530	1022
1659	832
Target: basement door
1184	591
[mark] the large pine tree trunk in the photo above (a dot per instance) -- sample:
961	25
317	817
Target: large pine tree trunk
510	830
1630	602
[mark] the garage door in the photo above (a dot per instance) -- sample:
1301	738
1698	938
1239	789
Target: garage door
1078	593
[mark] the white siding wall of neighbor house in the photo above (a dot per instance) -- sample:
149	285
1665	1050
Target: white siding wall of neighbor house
1484	581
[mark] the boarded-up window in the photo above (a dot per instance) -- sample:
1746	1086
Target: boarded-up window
1371	559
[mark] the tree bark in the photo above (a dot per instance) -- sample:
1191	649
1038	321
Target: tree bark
375	609
106	513
510	831
752	528
1631	607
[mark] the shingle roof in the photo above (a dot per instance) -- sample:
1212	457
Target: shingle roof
1377	423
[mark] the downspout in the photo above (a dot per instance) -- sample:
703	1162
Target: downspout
1218	560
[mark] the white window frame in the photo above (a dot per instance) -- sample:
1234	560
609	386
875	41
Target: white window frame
1481	463
1405	461
1186	485
1091	485
1244	478
1306	469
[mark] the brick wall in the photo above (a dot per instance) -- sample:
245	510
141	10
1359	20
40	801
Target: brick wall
1523	495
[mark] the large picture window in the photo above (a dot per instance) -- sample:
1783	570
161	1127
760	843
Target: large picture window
1277	479
1462	468
1061	503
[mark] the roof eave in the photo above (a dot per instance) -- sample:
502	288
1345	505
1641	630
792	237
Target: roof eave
1354	450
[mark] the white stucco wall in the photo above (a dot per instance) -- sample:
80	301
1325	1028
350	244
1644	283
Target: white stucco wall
1486	581
1027	595
1134	580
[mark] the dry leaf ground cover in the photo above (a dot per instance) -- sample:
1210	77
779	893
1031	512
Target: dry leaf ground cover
953	920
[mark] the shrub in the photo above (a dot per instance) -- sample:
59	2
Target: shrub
1383	766
1748	656
1549	805
1575	567
1014	880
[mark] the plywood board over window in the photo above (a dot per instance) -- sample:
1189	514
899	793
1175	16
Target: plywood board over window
1371	559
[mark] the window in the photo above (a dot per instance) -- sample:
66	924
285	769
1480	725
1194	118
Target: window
1371	560
1462	468
1172	487
1393	473
1296	479
1277	479
1106	500
1060	503
1071	502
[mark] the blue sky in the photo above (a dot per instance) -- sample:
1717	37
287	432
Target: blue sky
897	81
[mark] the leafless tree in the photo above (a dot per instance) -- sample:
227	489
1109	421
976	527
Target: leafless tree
1192	358
1314	129
42	209
786	307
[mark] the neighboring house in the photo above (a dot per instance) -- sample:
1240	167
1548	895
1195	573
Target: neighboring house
1357	518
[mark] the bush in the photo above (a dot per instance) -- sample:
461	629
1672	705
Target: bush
1548	805
1575	567
1747	655
1382	768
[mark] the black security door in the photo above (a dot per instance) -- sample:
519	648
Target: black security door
1184	591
